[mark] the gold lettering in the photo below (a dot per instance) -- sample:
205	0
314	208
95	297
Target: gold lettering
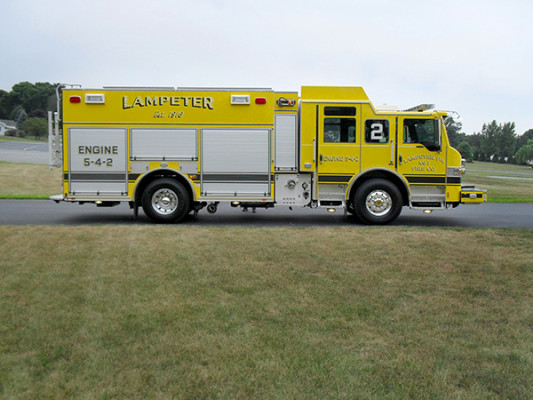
197	102
208	102
125	103
176	101
138	102
149	101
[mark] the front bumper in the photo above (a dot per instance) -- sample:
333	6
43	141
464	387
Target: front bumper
472	195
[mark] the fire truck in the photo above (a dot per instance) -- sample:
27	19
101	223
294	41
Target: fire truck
173	152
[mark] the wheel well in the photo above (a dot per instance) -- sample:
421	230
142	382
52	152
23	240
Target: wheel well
381	174
164	173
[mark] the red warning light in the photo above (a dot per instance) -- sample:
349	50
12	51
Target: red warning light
75	99
260	100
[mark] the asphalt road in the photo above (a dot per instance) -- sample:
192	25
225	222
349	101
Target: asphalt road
46	212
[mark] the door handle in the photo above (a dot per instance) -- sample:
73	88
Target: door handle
320	158
401	159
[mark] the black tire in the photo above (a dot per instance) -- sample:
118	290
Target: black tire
377	202
165	200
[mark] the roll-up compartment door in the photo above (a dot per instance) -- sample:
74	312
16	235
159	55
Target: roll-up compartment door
235	162
98	161
164	144
285	142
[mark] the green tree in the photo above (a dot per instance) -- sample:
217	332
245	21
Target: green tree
524	155
3	112
489	133
466	151
506	141
35	126
29	96
19	115
475	141
523	139
453	128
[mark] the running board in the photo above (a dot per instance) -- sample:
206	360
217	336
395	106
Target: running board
331	204
428	205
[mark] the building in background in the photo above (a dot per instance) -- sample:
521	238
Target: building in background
6	125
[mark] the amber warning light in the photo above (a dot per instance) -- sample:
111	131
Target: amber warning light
283	102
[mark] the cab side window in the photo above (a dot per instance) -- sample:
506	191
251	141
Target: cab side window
423	131
338	127
376	131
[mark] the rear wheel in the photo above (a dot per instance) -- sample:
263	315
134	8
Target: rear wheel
377	202
165	200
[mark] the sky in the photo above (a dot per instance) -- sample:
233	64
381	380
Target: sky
474	57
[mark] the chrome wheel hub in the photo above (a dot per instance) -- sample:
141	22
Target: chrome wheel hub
378	203
165	201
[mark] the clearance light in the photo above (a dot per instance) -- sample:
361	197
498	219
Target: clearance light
240	99
95	98
331	210
75	99
260	100
427	211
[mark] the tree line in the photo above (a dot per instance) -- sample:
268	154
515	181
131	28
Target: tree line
497	142
28	104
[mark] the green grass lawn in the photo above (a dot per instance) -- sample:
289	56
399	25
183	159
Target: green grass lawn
109	312
29	181
495	178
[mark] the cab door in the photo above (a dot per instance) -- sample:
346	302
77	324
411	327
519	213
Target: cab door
421	160
378	140
339	148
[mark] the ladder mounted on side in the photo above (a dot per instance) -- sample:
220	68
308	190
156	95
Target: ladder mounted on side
55	136
420	108
55	142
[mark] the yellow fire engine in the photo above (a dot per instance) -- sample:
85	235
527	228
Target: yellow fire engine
175	151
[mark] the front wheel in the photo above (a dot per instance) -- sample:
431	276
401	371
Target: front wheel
377	202
165	200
